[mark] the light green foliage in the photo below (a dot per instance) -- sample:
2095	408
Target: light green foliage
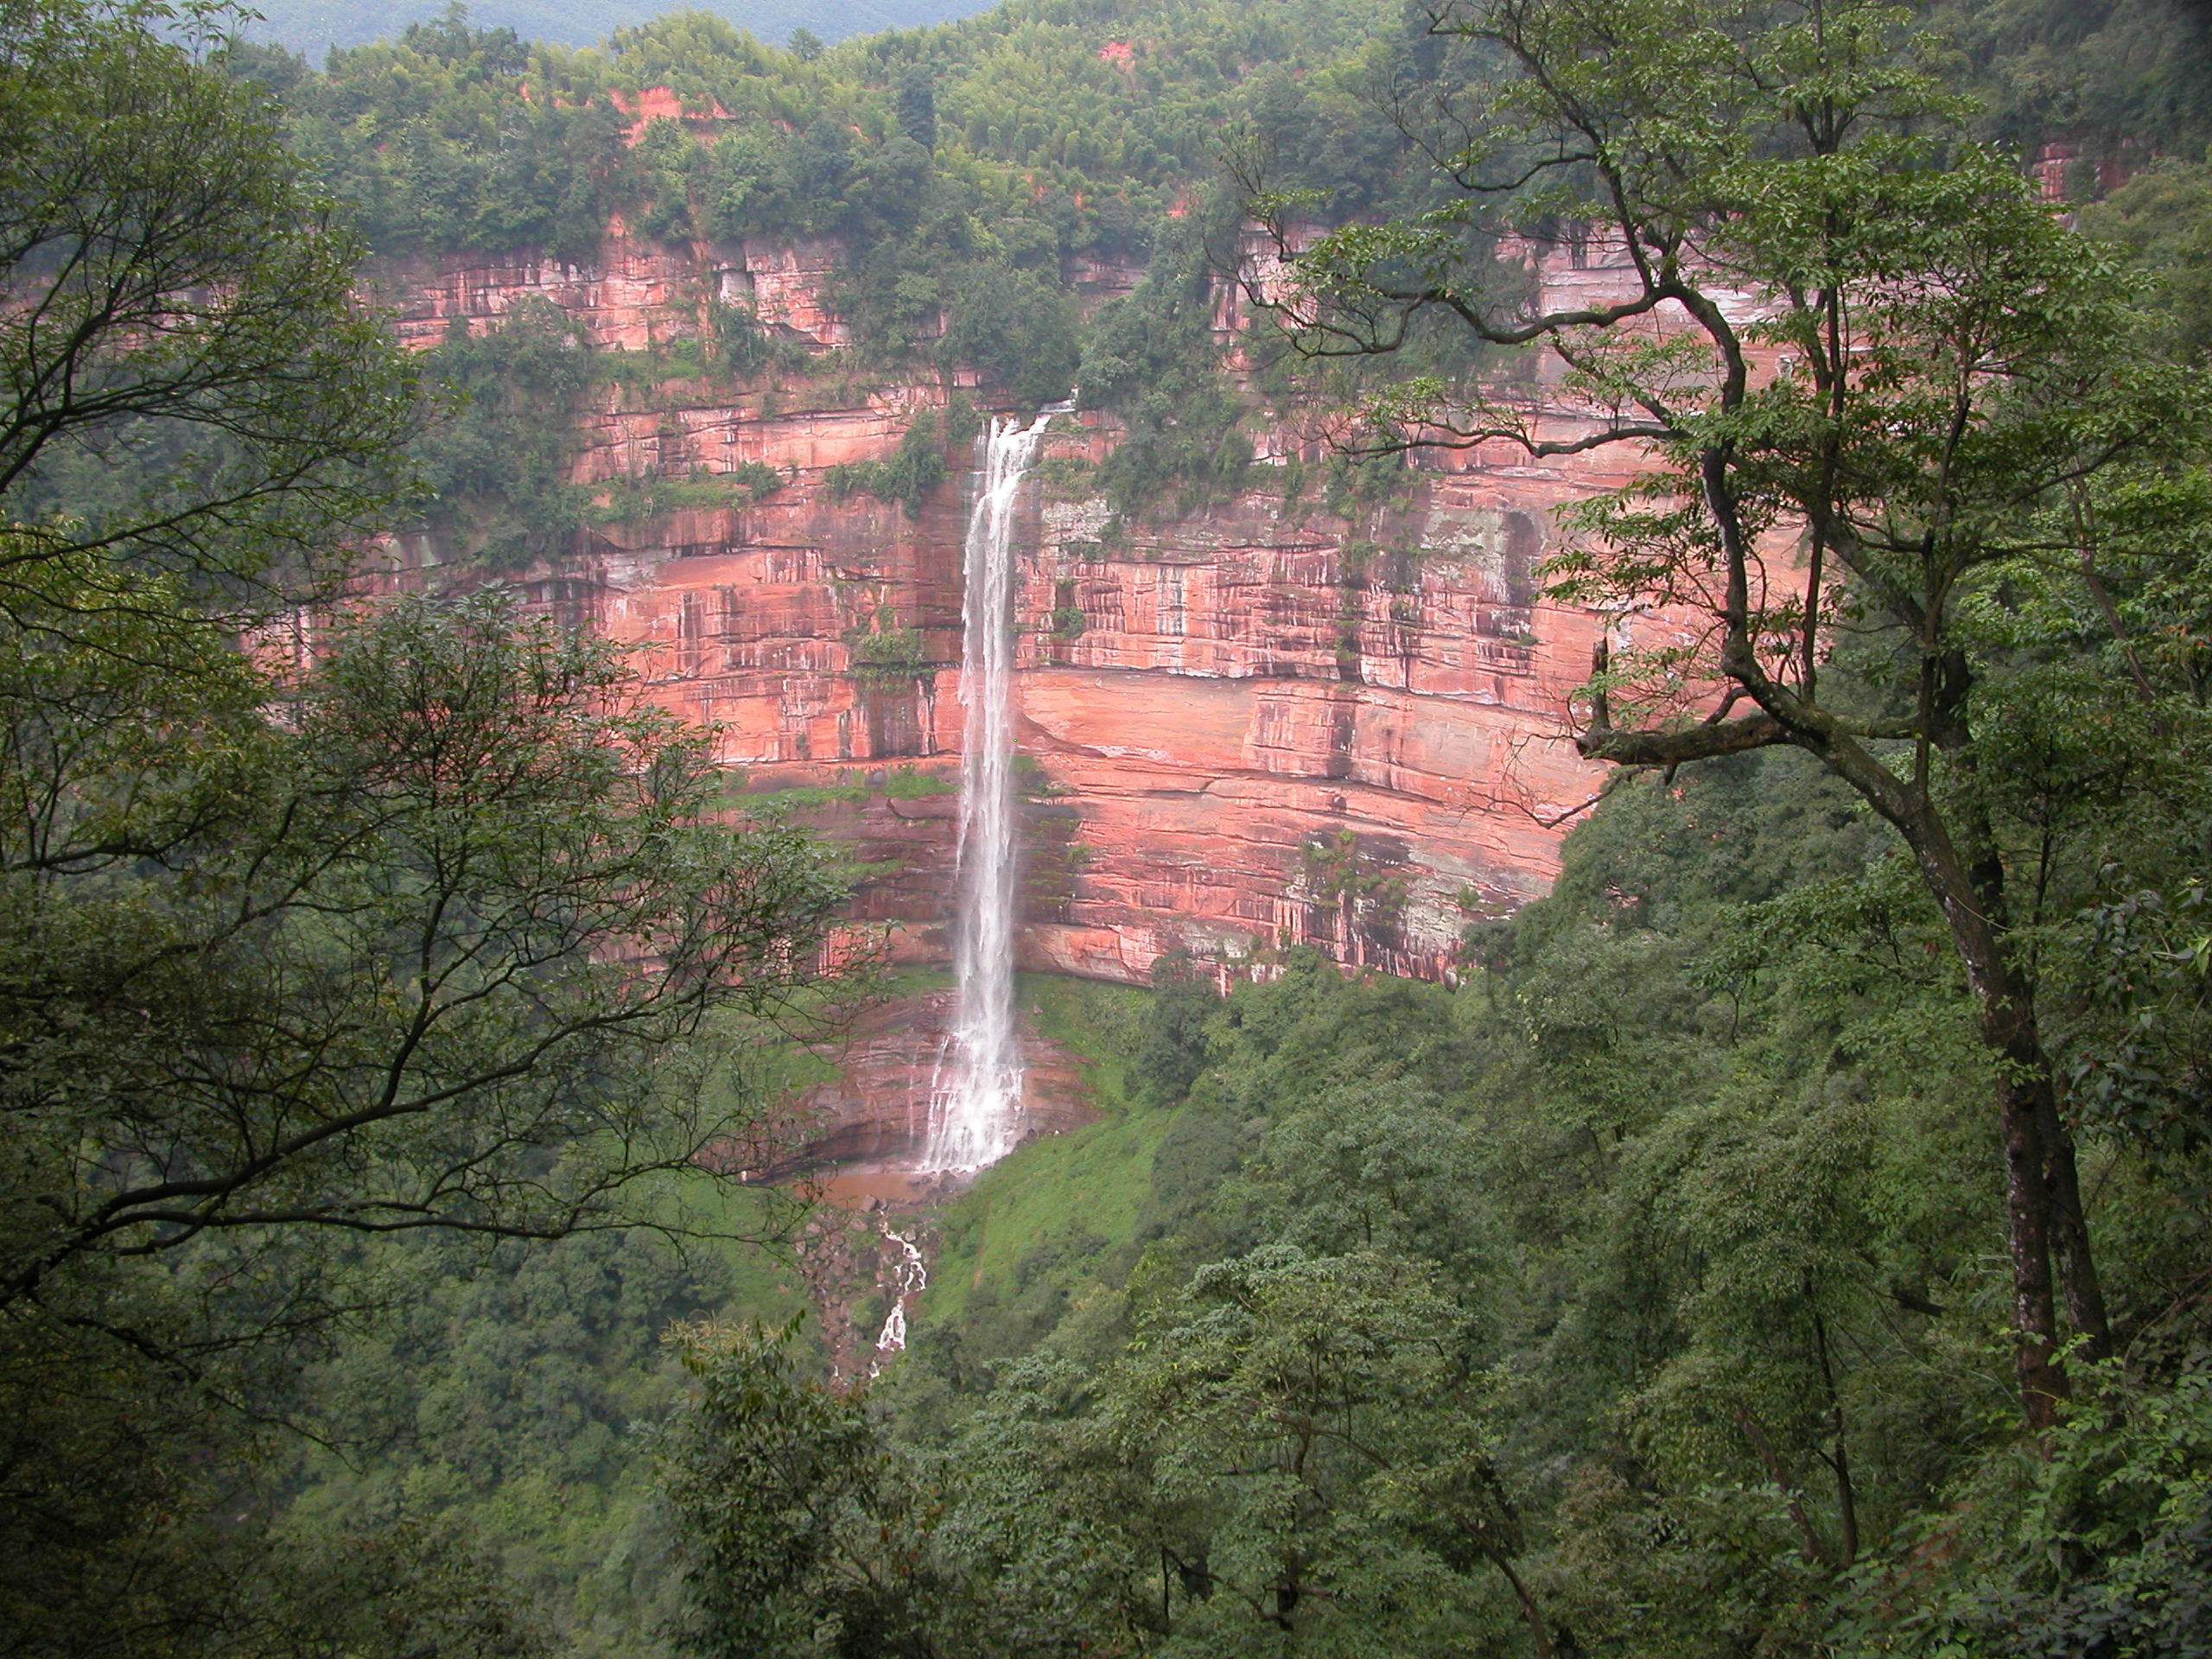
913	784
1027	1231
1647	1294
634	500
958	166
776	805
312	26
2165	219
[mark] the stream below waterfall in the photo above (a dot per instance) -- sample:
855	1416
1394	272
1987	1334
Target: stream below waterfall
913	1277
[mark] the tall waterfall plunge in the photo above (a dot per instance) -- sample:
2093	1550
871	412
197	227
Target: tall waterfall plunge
976	1112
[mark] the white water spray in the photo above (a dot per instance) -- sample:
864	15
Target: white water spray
975	1116
913	1277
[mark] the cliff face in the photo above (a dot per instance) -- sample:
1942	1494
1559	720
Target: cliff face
1256	727
1259	726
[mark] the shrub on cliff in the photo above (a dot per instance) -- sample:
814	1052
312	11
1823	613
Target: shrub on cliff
1017	327
1151	360
497	465
916	467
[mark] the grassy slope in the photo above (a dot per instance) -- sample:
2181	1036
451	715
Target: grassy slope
1082	1190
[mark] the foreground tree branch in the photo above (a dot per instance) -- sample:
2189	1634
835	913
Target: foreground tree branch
1872	344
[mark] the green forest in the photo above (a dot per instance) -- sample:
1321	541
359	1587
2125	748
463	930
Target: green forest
1792	1236
315	26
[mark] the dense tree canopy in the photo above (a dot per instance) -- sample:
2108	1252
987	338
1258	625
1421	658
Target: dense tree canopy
1968	463
371	995
380	918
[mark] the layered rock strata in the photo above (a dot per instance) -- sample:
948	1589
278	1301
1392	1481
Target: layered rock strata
1257	727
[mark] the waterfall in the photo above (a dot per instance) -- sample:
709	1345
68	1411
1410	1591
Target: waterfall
974	1115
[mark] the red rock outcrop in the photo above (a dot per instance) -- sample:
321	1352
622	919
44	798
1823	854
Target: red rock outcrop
868	1121
1256	726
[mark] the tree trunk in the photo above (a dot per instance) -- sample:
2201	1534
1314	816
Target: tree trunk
1811	1546
2069	1233
1846	1496
1529	1610
2027	1119
2043	1196
2027	1205
2025	1115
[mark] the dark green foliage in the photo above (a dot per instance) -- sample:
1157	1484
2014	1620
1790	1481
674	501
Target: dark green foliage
2116	78
510	1389
1152	361
1640	1298
497	467
916	105
1174	1048
915	468
185	381
1258	1471
271	985
2141	1051
401	1589
747	189
666	157
1017	327
2102	1549
774	1480
1958	418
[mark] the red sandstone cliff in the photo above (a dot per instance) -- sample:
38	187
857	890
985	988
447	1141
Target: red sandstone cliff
1256	726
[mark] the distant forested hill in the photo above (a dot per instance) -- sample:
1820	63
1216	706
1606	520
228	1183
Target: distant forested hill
315	26
1073	113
